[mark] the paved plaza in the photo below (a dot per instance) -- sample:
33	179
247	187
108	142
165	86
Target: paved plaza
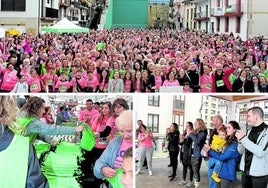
161	172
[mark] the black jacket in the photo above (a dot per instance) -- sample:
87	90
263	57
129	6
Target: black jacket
186	151
173	141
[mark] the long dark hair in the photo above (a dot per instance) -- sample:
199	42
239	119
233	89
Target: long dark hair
232	138
144	126
176	127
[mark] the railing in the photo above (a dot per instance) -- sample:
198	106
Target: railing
203	14
219	11
230	9
234	8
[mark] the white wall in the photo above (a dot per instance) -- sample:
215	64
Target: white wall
31	11
164	111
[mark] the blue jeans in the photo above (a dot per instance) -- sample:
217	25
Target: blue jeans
215	164
211	164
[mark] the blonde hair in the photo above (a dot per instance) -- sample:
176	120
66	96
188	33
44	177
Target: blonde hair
202	125
8	110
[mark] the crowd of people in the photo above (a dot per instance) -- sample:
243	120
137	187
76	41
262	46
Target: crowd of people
133	60
111	125
226	150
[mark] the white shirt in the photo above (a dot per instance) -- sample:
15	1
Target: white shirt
20	88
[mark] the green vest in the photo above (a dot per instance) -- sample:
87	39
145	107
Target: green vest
14	163
20	126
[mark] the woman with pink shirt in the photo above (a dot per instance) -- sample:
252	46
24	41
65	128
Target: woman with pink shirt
104	80
62	85
101	126
34	82
205	79
25	71
171	81
145	138
128	84
9	78
91	66
137	82
158	77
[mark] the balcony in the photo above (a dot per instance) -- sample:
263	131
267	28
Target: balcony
233	11
199	16
217	12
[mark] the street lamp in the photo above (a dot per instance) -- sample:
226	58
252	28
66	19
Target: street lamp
201	107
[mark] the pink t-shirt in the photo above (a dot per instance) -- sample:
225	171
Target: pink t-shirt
127	86
86	115
34	84
103	86
119	158
62	85
158	81
25	73
93	83
9	80
50	78
82	82
138	86
148	143
99	127
206	83
111	123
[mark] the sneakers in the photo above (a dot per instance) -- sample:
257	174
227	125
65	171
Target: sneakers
216	177
182	182
138	172
172	175
189	184
150	173
172	178
196	184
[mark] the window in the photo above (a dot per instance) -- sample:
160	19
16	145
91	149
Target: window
238	21
179	119
13	5
179	104
153	122
227	24
218	24
266	104
153	100
213	112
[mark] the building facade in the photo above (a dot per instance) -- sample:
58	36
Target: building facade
29	16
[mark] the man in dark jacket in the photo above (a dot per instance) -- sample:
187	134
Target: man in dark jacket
192	75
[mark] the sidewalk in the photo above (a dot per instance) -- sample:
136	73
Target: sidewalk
161	172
